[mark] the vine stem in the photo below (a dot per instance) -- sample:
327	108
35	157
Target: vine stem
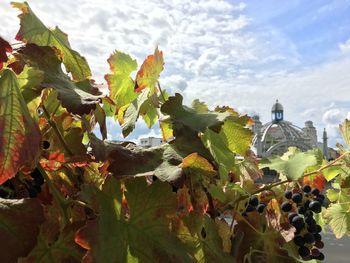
57	131
268	187
161	91
63	203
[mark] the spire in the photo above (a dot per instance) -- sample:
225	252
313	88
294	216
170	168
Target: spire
325	144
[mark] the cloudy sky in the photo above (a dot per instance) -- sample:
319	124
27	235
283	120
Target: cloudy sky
243	54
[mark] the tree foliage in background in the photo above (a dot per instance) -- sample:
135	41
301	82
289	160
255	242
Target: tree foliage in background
68	196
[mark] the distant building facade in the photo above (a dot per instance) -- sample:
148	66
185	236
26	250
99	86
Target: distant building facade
274	137
150	142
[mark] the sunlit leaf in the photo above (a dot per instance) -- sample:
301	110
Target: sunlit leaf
345	131
120	84
33	31
132	113
338	218
149	72
292	164
190	117
78	97
20	138
331	172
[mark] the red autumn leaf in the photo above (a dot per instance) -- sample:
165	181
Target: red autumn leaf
317	181
20	137
53	161
5	47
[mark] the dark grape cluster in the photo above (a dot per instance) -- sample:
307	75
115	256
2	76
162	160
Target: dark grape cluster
20	188
301	205
254	204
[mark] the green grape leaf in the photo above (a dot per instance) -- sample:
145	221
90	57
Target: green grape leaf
204	234
100	117
20	138
237	137
292	164
338	218
120	84
33	31
190	117
148	74
331	172
30	80
199	106
163	162
166	128
143	236
132	113
77	97
58	247
262	244
19	227
345	131
220	151
149	110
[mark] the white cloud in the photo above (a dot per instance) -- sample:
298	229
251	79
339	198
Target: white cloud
210	51
333	116
345	47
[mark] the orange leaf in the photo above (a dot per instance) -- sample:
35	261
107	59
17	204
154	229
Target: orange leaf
149	72
317	181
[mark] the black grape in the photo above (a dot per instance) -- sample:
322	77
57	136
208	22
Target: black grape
312	228
249	208
319	244
309	238
288	194
317	237
315	191
315	252
253	200
306	204
299	241
260	208
320	197
310	220
298	222
286	206
303	251
307	188
301	210
315	206
291	216
320	257
318	229
297	197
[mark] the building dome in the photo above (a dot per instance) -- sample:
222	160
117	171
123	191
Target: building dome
275	137
277	107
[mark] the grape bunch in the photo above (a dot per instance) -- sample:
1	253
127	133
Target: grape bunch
22	187
301	205
254	204
34	186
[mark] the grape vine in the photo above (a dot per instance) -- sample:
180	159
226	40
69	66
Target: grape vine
68	196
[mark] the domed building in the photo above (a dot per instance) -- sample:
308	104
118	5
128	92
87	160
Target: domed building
274	137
